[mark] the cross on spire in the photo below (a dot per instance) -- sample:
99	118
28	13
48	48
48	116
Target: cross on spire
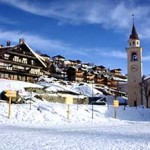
133	18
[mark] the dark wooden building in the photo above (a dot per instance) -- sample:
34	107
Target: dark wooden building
20	62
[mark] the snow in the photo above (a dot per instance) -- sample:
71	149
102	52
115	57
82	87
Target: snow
15	85
86	89
46	125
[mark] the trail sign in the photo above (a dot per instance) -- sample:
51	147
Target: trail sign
116	103
69	100
10	94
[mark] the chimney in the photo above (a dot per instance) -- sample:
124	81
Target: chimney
21	41
8	43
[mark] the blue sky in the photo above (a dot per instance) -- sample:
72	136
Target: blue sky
94	31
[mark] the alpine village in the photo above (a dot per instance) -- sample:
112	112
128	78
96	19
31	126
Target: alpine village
21	62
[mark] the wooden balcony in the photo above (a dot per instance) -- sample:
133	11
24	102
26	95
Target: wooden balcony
19	63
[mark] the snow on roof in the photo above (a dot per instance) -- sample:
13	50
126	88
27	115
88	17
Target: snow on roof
57	87
147	77
86	89
119	79
45	79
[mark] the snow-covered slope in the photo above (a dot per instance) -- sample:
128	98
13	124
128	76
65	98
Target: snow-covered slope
45	110
47	126
15	85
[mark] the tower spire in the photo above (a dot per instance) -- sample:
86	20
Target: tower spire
134	34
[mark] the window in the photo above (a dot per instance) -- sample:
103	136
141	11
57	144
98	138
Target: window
6	76
24	60
134	57
32	62
6	56
16	58
2	75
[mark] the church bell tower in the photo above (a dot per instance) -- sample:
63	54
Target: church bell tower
134	58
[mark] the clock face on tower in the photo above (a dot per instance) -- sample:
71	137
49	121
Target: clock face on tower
134	68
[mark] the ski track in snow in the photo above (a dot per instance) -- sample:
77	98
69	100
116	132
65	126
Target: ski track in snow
76	138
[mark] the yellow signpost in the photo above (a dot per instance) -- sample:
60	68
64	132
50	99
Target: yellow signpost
10	94
116	104
69	100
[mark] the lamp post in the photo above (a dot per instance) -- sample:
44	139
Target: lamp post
92	91
92	101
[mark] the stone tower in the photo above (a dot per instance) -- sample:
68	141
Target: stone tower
134	57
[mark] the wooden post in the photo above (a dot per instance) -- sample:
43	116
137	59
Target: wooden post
9	108
30	104
115	112
92	111
68	111
30	100
77	103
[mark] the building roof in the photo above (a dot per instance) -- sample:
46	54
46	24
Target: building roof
40	58
134	34
58	56
45	55
117	69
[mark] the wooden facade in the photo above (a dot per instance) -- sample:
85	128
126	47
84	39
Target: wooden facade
116	71
20	62
79	75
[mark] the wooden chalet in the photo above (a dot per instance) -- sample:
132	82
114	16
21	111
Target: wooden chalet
80	75
71	73
99	68
90	77
101	79
75	74
72	62
85	65
20	62
111	82
116	71
59	60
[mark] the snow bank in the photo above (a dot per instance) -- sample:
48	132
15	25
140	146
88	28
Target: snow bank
15	85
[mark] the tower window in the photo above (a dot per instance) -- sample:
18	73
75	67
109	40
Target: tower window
134	57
